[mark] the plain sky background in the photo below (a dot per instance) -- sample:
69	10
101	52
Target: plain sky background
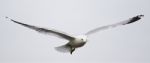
124	44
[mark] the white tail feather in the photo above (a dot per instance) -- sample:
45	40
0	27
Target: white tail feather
63	48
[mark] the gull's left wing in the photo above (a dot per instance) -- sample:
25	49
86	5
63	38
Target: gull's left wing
44	30
131	20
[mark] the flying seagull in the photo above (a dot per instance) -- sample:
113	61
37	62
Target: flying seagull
75	41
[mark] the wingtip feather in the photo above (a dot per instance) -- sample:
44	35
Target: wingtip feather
136	18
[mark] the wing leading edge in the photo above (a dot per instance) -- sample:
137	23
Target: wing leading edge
44	30
128	21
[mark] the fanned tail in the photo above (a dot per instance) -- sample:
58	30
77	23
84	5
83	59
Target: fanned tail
64	48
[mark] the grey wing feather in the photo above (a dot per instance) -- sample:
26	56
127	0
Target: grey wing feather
43	30
131	20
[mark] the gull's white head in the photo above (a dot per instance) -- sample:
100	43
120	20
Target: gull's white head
82	37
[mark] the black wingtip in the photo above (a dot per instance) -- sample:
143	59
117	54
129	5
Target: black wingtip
10	19
141	15
136	18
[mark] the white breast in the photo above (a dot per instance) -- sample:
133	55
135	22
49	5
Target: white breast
78	42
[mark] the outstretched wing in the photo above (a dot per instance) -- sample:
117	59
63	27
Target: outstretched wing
44	30
131	20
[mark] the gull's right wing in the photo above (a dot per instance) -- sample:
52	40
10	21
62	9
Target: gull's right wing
44	30
128	21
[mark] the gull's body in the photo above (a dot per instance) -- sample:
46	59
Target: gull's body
75	41
79	41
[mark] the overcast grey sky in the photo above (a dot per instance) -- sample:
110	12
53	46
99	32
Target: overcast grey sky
124	44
